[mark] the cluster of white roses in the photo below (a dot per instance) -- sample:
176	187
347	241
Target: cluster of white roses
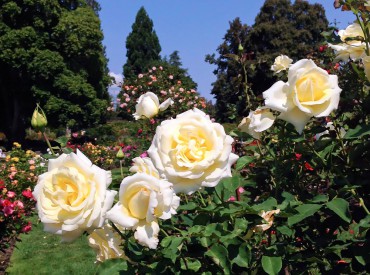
309	92
187	153
353	46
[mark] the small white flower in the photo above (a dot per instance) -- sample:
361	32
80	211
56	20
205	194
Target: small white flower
282	62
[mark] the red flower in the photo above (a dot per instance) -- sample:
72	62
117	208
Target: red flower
27	193
298	156
308	166
139	131
2	184
27	228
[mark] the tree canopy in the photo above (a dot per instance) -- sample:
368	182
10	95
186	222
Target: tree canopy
51	53
228	88
142	46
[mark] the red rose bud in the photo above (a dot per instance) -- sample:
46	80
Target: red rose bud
139	131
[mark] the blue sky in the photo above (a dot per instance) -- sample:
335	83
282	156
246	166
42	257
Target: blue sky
193	27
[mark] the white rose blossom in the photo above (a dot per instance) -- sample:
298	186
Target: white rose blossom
350	49
256	122
282	63
72	197
148	106
192	152
106	242
143	199
309	92
144	165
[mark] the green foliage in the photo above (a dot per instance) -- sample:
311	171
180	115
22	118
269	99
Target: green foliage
142	46
52	54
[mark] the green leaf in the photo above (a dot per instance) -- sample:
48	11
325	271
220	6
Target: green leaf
359	131
304	211
271	265
243	161
268	204
191	264
285	230
219	255
62	141
188	206
244	256
341	208
112	266
320	198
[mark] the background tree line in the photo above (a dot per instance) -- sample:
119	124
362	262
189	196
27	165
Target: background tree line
51	53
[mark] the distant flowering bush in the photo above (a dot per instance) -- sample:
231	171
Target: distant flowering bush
19	172
165	86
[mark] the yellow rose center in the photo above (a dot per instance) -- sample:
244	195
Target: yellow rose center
139	202
311	87
70	190
190	147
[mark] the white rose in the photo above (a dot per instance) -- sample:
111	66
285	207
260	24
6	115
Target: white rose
256	122
192	152
354	49
148	106
106	242
142	200
352	31
144	165
72	197
282	62
344	52
309	92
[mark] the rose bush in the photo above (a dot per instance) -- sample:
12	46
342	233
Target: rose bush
19	170
295	202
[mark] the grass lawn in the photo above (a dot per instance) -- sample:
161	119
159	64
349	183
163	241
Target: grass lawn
39	252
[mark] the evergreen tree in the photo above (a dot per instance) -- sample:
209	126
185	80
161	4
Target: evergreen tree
284	28
228	88
175	59
142	45
51	53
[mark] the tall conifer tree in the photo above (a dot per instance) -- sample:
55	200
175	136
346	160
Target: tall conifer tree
142	44
228	87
